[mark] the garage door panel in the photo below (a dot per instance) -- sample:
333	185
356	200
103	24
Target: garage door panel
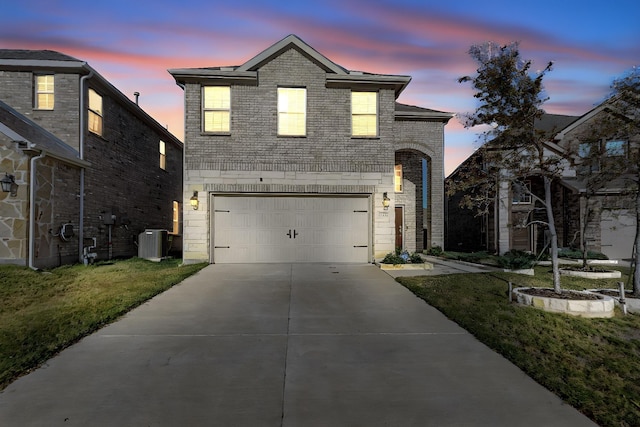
290	229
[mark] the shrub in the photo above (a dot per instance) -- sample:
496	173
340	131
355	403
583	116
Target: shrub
577	254
402	257
516	260
435	251
393	258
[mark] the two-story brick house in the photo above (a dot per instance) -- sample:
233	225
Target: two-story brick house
91	169
290	157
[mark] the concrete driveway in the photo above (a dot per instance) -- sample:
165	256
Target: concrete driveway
282	345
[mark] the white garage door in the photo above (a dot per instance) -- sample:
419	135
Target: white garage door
272	229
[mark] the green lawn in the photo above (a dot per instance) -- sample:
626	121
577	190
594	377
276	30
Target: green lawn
593	364
43	312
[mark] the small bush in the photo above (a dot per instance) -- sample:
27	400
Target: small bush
402	257
435	251
393	258
517	260
577	254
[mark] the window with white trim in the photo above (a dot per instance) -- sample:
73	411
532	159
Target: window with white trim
292	111
521	193
216	109
45	94
397	178
95	112
364	114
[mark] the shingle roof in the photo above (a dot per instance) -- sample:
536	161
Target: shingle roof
41	55
554	122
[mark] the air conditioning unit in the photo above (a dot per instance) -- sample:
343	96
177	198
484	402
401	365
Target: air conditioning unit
153	244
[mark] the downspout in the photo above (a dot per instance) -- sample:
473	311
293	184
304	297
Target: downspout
81	155
32	208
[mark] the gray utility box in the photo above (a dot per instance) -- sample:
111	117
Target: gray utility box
153	244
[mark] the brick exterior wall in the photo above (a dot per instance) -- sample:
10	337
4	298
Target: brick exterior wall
252	158
63	121
124	178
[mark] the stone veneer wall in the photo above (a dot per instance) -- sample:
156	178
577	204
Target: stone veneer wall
13	210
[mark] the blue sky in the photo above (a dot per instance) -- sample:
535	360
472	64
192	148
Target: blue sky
132	44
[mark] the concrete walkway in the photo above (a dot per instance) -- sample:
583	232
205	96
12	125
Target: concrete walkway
282	345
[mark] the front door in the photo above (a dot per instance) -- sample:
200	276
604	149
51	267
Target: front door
399	227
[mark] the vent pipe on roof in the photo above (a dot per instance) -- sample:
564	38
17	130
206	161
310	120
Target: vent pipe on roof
137	95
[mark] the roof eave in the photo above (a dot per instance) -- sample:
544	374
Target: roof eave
30	64
398	83
200	75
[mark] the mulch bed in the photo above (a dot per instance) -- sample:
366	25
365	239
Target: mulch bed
564	294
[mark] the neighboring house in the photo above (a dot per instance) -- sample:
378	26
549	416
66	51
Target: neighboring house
90	169
509	222
290	157
611	200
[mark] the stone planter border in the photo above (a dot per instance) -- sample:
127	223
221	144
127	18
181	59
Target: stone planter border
525	271
612	274
633	304
423	266
601	308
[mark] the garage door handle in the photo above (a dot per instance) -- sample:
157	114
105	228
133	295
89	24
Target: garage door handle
295	233
360	246
289	234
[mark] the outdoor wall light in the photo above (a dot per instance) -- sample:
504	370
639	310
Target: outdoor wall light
194	201
9	185
385	201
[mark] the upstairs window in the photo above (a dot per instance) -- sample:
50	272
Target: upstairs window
397	178
292	111
163	155
216	109
95	112
45	95
590	163
615	148
521	193
364	114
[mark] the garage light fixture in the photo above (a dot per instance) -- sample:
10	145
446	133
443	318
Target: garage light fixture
194	201
9	185
385	201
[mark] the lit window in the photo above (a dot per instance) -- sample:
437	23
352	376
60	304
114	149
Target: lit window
615	148
163	155
292	111
397	178
176	218
364	114
44	97
521	192
216	109
95	112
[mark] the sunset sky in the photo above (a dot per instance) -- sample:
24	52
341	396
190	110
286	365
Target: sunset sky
132	44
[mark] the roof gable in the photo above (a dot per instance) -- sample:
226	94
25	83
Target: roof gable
291	41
